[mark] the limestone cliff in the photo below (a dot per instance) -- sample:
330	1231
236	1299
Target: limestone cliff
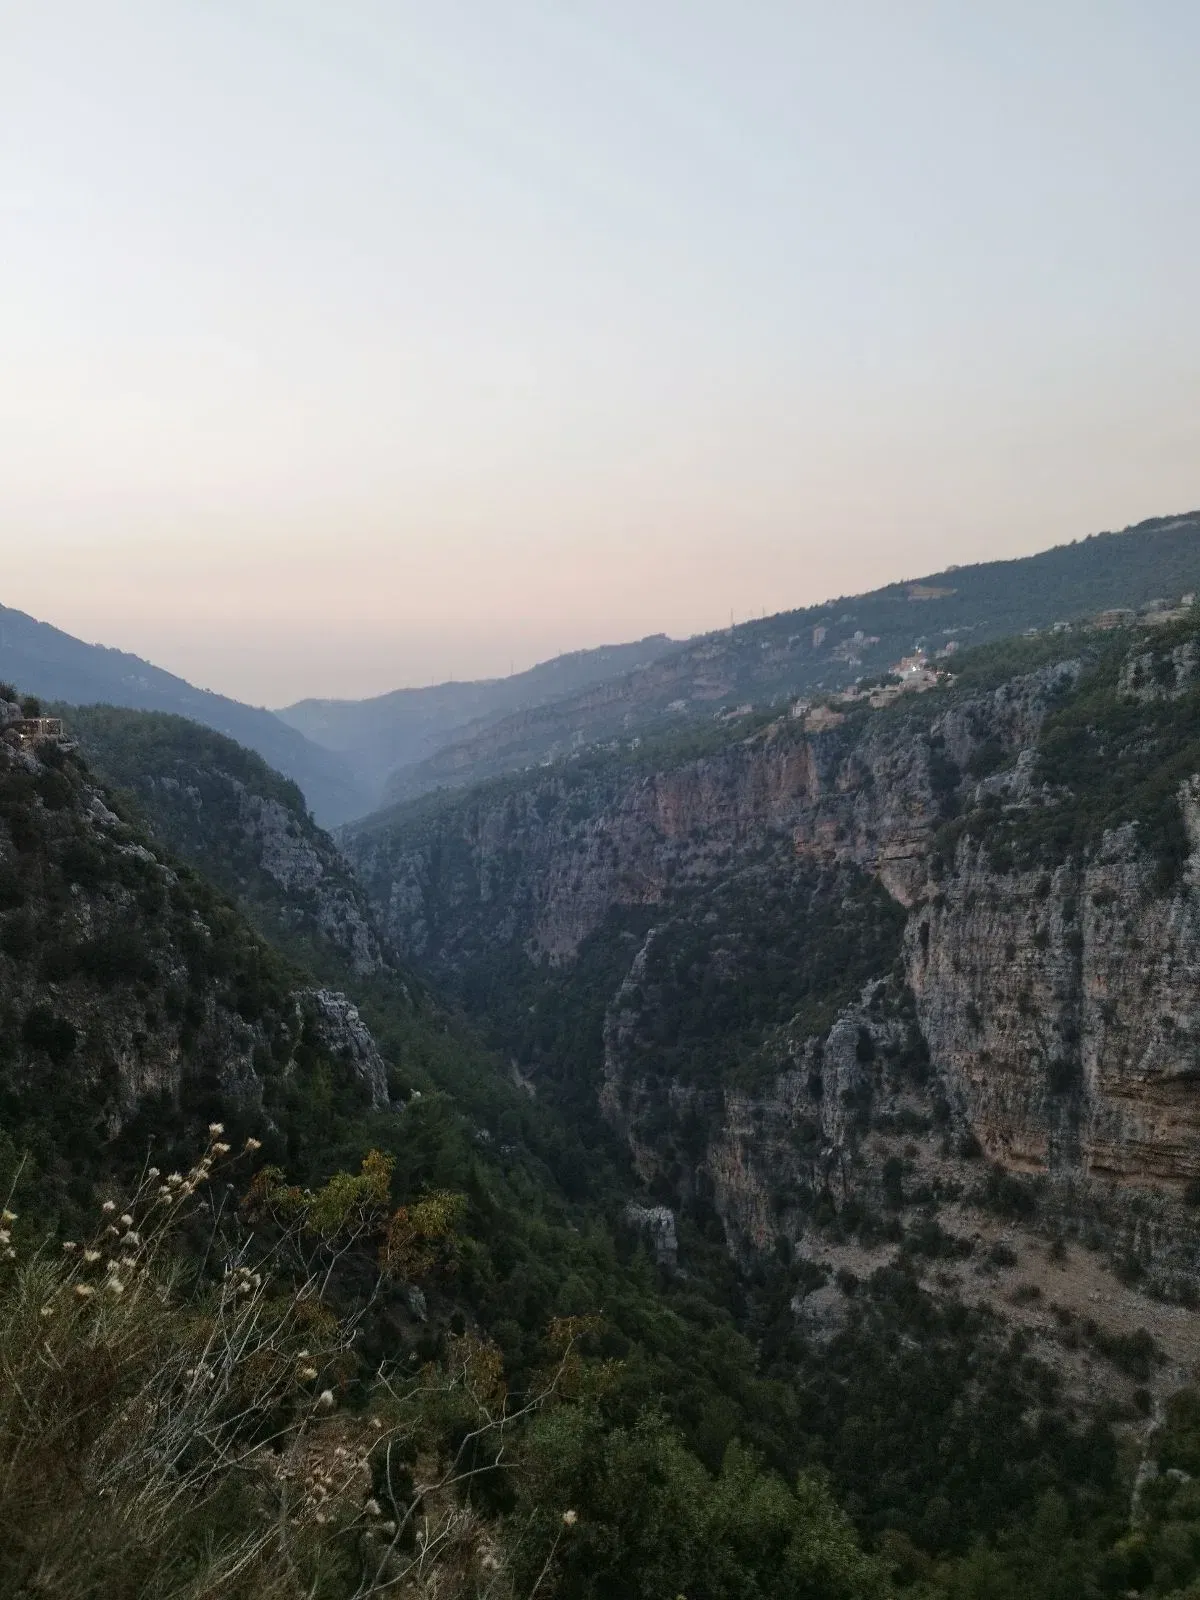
541	862
1062	1009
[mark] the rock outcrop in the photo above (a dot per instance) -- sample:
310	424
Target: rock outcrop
658	1224
312	877
345	1035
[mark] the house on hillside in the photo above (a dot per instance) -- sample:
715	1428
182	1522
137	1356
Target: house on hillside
39	730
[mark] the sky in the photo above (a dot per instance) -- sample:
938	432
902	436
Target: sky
351	345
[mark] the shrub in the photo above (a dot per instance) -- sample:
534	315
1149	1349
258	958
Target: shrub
1008	1195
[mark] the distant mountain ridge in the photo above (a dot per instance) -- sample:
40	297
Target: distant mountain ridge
47	662
828	646
406	726
340	752
351	757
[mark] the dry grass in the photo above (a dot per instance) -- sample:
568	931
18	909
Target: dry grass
160	1438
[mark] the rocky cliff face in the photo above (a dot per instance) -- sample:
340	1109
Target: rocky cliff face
1041	1011
1062	1009
315	890
541	863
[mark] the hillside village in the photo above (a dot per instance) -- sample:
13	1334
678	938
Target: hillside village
919	672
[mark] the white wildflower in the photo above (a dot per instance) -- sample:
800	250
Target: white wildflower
152	1172
307	1374
570	1518
109	1205
325	1398
91	1256
8	1216
47	1311
125	1220
5	1236
216	1129
253	1144
84	1291
372	1508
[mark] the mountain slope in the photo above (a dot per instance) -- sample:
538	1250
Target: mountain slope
245	828
136	1003
407	725
830	645
49	663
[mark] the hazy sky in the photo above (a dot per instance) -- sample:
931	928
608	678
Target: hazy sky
348	344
